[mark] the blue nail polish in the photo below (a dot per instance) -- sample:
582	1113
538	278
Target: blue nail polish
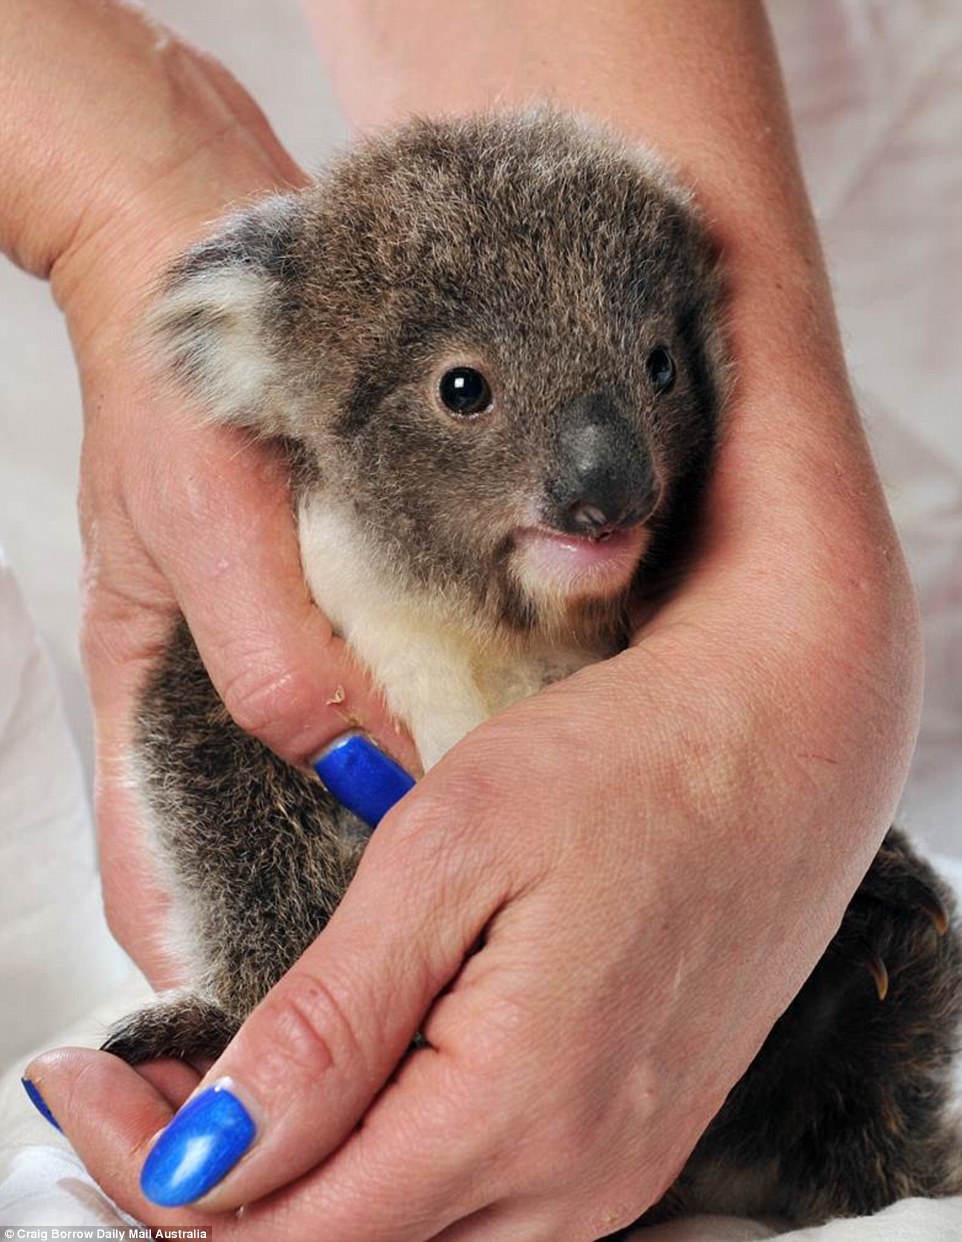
39	1103
362	778
198	1149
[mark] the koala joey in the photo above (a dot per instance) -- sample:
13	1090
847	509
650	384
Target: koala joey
492	351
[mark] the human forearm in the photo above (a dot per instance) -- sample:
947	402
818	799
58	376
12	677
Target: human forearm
799	541
696	78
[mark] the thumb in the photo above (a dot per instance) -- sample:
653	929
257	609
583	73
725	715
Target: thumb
218	522
310	1059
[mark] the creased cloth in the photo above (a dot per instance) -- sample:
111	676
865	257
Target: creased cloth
875	90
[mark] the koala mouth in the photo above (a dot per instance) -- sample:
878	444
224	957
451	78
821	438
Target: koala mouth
600	564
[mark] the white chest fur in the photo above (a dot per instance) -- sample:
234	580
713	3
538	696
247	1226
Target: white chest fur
438	676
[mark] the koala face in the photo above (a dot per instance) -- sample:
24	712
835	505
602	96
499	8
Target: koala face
494	341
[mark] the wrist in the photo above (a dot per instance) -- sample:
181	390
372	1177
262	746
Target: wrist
107	274
796	643
147	143
214	149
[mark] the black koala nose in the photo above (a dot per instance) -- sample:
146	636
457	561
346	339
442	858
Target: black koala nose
603	478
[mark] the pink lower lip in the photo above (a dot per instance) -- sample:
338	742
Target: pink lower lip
575	561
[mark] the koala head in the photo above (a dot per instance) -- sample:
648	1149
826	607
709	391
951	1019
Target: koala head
494	342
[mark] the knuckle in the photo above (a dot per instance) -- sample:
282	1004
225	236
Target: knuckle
309	1032
499	1041
450	844
125	625
260	700
102	631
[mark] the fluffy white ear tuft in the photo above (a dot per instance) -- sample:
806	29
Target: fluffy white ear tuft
216	319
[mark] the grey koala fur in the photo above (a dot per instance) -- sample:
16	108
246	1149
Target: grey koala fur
563	267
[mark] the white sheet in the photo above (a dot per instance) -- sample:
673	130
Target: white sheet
874	88
42	1182
56	955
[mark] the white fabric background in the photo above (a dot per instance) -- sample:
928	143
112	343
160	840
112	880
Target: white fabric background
875	90
874	85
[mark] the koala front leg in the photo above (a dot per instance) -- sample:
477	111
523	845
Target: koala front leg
257	855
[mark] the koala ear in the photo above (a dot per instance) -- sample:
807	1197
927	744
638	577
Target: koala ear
219	320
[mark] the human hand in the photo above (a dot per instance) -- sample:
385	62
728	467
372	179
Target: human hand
628	870
177	517
180	518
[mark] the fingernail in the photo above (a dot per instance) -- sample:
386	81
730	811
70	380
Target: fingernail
39	1103
362	778
198	1149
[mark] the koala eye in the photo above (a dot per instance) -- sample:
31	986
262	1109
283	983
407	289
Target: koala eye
465	391
661	369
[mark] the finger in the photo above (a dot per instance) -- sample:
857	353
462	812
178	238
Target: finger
312	1056
505	1072
110	1113
450	1151
428	1160
130	608
402	1185
219	517
174	1080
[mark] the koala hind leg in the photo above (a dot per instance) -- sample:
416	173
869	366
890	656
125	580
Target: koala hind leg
848	1105
181	1025
258	856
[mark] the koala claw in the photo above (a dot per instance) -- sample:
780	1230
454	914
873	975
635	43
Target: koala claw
879	972
934	910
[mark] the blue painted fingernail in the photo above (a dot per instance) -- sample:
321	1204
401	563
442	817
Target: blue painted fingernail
198	1149
39	1103
362	778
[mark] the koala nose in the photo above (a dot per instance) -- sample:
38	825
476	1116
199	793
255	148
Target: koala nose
603	478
